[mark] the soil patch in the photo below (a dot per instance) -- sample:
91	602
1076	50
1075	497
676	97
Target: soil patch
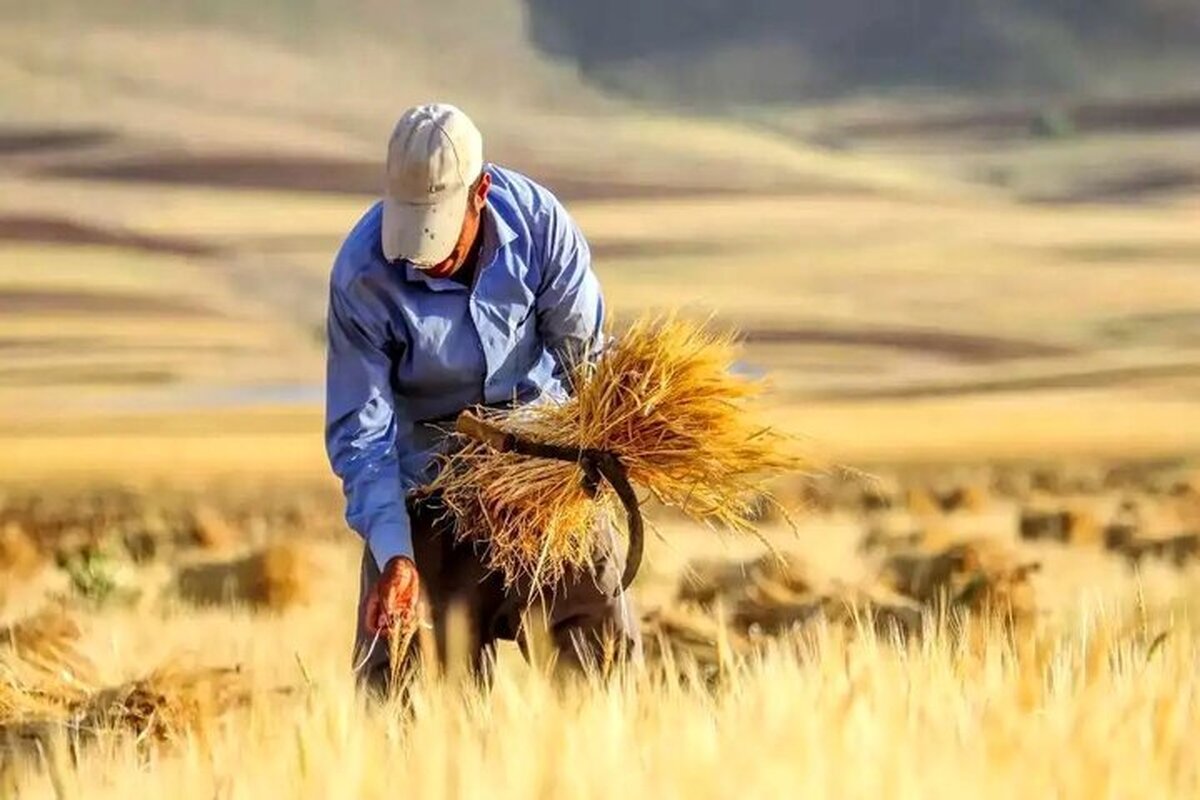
57	230
1124	253
655	248
1142	183
1026	120
352	176
40	301
109	375
1083	379
43	140
963	347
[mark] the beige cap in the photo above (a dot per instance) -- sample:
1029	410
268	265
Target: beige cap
435	155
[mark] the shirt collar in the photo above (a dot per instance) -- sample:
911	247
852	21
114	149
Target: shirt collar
496	234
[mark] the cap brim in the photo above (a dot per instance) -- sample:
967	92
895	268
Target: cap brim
424	234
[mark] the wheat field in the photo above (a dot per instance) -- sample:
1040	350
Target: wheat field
1096	697
1092	715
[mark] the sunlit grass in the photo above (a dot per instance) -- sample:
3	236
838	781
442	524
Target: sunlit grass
1097	709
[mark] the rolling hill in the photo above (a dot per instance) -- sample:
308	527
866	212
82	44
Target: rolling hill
727	53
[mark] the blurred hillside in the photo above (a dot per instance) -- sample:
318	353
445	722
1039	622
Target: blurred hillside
303	92
132	83
334	70
723	52
940	269
303	76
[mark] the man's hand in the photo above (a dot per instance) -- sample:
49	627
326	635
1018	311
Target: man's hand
392	603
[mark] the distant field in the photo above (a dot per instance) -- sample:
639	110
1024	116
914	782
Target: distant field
1062	665
1136	149
841	298
44	443
887	263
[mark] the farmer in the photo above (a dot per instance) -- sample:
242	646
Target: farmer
467	284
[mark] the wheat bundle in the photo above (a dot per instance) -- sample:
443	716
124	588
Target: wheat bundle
23	698
47	644
664	397
769	578
167	704
211	530
47	685
286	574
280	576
42	671
975	576
682	635
20	556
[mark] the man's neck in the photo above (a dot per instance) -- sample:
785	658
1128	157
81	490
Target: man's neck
464	273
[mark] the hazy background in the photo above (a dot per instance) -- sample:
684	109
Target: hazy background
945	228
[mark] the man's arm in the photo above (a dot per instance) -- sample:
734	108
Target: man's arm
570	305
360	431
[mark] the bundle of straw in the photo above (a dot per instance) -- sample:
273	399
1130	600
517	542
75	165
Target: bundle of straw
42	670
167	704
280	576
665	398
47	687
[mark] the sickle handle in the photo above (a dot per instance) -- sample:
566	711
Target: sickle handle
470	425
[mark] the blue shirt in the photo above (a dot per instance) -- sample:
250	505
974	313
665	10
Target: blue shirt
408	351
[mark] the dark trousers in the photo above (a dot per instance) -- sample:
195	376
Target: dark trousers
584	618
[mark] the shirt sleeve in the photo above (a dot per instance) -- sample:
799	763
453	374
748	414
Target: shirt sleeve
360	431
570	304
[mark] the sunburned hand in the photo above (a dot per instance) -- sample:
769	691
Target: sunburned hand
392	604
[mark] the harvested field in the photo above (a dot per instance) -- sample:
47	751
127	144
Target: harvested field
1124	252
28	347
1049	379
954	346
989	632
216	516
604	250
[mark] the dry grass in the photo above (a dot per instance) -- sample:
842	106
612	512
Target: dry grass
769	677
664	398
771	577
285	575
46	641
1093	698
212	531
743	604
974	576
42	669
47	682
1084	713
166	705
20	556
